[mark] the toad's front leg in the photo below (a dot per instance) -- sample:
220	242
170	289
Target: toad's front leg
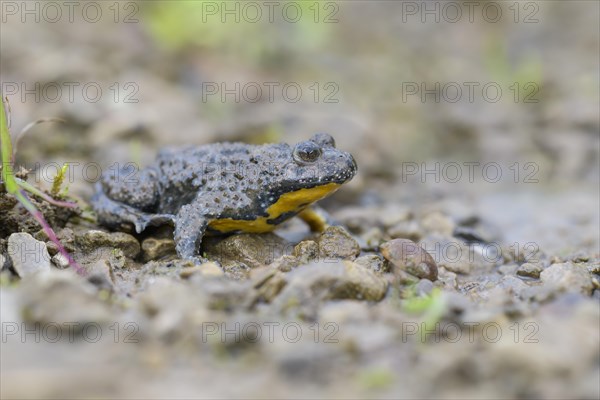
190	225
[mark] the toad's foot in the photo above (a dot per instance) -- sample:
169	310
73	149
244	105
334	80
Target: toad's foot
115	214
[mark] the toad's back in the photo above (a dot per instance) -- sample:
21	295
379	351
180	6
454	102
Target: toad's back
223	173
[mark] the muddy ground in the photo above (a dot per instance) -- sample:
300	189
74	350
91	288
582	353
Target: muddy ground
465	259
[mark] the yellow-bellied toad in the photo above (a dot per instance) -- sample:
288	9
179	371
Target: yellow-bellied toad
224	187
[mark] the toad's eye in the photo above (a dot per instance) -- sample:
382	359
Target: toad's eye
307	152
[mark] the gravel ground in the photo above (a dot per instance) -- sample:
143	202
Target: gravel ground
392	294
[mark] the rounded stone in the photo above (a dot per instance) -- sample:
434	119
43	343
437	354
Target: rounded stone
28	256
406	255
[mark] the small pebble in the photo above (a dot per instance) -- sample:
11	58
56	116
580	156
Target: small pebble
568	277
267	283
406	230
406	255
52	248
206	269
60	261
336	242
306	251
374	262
154	249
94	239
530	269
285	263
253	250
28	256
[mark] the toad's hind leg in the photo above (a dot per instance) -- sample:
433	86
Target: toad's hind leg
115	214
190	225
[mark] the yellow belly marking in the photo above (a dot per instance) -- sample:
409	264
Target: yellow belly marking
258	225
292	201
